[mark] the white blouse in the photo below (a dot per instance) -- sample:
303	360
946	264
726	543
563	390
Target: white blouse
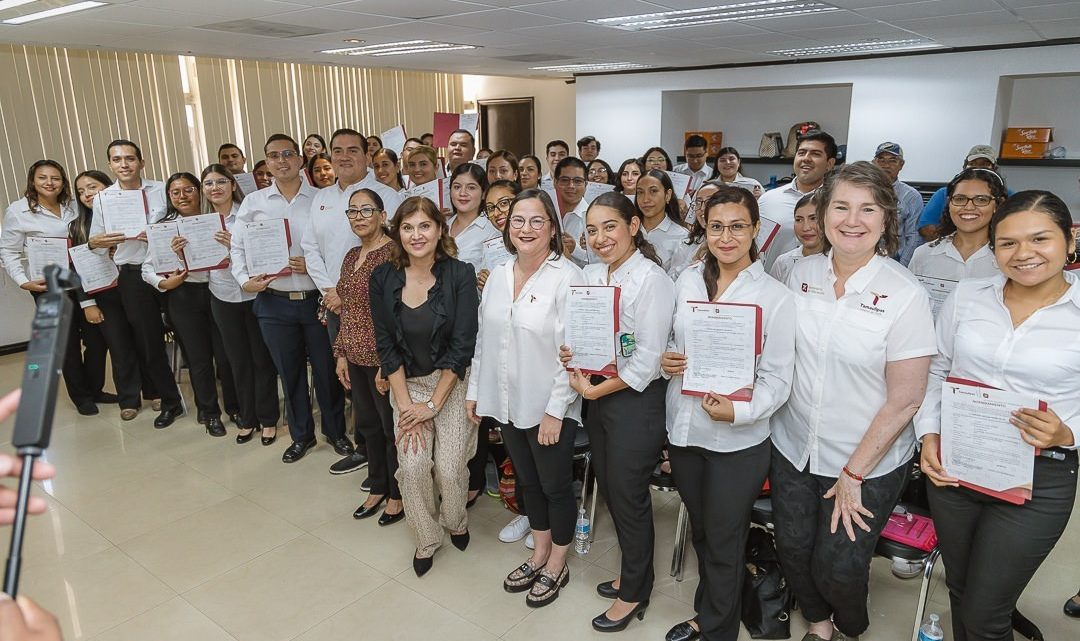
21	222
690	425
940	259
223	284
976	341
784	263
470	241
667	237
841	349
517	376
646	308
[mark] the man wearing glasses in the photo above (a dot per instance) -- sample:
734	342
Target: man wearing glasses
696	149
889	156
570	184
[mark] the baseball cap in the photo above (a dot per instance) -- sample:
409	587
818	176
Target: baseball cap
889	148
981	151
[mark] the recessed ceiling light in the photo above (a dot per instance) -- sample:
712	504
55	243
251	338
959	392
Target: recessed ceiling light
11	4
399	48
354	41
858	47
591	66
738	12
58	11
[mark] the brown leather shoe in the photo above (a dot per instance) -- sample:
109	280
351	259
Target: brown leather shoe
128	414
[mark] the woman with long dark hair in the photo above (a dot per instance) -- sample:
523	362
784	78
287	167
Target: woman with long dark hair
384	163
660	218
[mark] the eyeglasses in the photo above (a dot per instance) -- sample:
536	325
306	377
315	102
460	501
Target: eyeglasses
698	203
502	204
887	159
220	182
288	154
363	212
517	222
960	201
656	159
736	229
599	171
566	181
183	191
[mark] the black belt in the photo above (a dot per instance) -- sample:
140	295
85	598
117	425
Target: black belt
297	295
1057	453
130	268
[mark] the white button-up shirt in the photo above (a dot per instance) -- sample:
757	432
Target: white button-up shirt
976	341
573	223
784	263
646	308
131	252
223	284
270	204
687	423
696	177
667	238
470	241
841	349
20	222
778	205
748	182
685	256
940	259
517	376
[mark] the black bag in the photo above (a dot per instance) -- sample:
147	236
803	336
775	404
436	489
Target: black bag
766	597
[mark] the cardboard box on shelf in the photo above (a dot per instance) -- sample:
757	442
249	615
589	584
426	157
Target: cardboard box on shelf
1029	134
715	139
1017	150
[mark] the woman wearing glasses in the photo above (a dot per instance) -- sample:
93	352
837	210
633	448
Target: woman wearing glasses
600	172
692	249
497	201
656	158
252	368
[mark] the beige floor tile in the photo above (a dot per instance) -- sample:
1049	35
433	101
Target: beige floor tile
241	468
57	535
388	549
285	591
209	543
82	476
174	620
306	494
95	593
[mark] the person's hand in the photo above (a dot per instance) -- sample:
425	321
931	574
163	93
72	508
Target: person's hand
673	363
224	237
565	355
1043	429
258	283
470	412
101	241
177	245
415	438
719	408
141	236
93	315
568	244
298	264
343	372
35	285
848	507
682	208
174	280
550	429
481	279
930	463
11	466
381	384
415	414
332	300
23	620
579	382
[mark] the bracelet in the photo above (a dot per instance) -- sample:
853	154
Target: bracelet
585	393
852	474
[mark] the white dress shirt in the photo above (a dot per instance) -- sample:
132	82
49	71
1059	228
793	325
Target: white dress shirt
976	341
517	376
20	222
667	237
696	177
690	425
940	259
573	223
784	263
470	241
841	349
778	205
748	182
646	308
223	284
270	204
131	252
685	256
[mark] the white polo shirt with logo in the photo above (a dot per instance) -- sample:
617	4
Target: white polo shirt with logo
841	349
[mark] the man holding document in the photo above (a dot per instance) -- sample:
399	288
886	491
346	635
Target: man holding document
998	425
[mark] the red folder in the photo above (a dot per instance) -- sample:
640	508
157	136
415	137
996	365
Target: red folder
444	125
612	368
745	394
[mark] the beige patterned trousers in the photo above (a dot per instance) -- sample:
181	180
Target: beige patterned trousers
448	454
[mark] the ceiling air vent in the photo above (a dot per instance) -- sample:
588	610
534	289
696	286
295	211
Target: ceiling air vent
264	28
534	57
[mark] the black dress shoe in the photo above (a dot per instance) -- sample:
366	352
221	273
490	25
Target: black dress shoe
1072	607
603	624
235	419
342	445
608	590
460	541
296	451
682	632
421	566
269	440
200	417
364	512
390	519
1025	627
106	398
244	438
167	417
214	426
87	408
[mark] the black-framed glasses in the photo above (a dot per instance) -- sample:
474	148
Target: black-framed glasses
537	223
566	181
502	204
736	229
959	200
364	212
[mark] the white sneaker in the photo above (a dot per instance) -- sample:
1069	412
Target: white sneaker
906	569
515	530
529	542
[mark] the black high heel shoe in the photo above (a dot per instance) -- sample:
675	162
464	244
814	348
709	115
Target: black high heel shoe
607	590
603	624
421	566
460	541
270	440
244	438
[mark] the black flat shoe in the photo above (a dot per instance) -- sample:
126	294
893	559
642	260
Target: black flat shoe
603	624
244	438
107	398
1025	627
167	417
390	519
1072	607
364	512
460	541
342	445
351	463
87	409
296	451
471	502
421	566
214	426
269	440
608	590
682	632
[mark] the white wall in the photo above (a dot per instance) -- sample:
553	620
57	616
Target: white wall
553	104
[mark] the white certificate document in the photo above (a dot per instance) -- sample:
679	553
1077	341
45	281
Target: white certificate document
125	211
592	190
722	342
159	239
394	139
437	191
203	252
680	183
42	251
766	234
96	271
938	289
266	247
495	253
978	444
592	314
246	183
469	122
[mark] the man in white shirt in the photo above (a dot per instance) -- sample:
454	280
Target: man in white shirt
570	203
695	150
460	149
556	150
232	157
814	157
889	157
287	306
588	149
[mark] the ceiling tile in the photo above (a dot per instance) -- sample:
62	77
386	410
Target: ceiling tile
917	10
416	9
219	11
1001	34
333	20
1058	28
420	30
967	21
577	11
498	20
1051	12
813	21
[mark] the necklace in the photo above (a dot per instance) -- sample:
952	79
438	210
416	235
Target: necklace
1042	303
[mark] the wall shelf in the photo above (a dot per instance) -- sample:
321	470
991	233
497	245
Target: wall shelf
754	160
1034	162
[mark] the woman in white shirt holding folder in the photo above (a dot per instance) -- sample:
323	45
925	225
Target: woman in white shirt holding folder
713	441
1015	331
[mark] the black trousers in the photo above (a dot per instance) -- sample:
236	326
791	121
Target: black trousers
84	358
142	309
992	548
189	313
294	336
376	424
230	400
119	338
252	369
829	573
478	463
544	476
333	325
719	490
626	434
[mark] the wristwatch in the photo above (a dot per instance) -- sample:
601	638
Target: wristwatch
431	406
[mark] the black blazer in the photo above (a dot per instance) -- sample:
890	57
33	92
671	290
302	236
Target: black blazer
454	302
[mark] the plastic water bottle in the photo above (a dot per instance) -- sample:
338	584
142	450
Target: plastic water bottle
931	631
581	533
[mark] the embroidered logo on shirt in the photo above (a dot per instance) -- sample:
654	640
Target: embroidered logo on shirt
878	297
812	289
873	307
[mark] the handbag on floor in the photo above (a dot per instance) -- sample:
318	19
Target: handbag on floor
766	596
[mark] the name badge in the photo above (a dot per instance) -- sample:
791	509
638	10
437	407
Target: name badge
627	344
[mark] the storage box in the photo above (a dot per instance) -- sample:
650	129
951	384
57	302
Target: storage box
1029	134
1017	150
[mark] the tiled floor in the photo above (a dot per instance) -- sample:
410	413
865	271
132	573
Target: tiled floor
173	535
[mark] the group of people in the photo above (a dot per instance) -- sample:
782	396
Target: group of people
446	320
